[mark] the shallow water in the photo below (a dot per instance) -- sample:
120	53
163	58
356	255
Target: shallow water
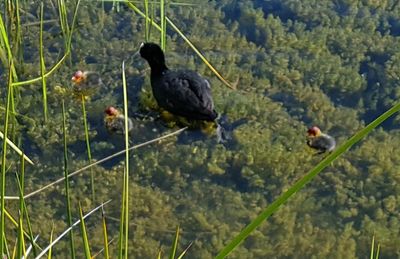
332	65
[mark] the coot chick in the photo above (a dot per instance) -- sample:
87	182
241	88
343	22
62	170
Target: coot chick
86	82
320	141
181	92
115	121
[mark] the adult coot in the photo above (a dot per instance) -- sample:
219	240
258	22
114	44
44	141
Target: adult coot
320	141
181	92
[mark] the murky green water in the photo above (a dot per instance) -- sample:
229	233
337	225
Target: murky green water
332	64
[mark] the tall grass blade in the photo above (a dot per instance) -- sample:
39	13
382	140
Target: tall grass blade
371	256
55	241
15	223
67	196
16	149
51	240
174	244
28	251
105	235
29	235
18	35
20	239
378	251
184	251
89	153
124	225
62	14
84	234
147	23
4	160
5	42
163	25
42	64
303	181
21	181
73	25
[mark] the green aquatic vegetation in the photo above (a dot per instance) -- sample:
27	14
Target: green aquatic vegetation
333	65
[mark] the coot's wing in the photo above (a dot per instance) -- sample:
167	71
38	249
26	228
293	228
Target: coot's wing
189	95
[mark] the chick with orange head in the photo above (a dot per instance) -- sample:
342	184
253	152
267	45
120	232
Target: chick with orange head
320	141
115	121
85	81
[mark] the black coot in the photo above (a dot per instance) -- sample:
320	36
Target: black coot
181	92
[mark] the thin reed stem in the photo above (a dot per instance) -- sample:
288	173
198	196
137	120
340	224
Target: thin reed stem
67	195
88	150
3	162
42	65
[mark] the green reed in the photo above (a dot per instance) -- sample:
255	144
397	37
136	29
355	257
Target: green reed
63	18
50	241
124	224
85	239
372	254
42	65
303	181
174	246
5	44
3	241
87	140
68	230
105	235
23	211
147	23
163	25
67	194
18	33
20	180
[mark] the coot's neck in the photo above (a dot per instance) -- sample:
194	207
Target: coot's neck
157	66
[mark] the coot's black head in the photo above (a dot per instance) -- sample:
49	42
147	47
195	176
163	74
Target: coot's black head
152	53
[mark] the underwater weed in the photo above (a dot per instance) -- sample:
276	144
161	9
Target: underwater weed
156	140
303	181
